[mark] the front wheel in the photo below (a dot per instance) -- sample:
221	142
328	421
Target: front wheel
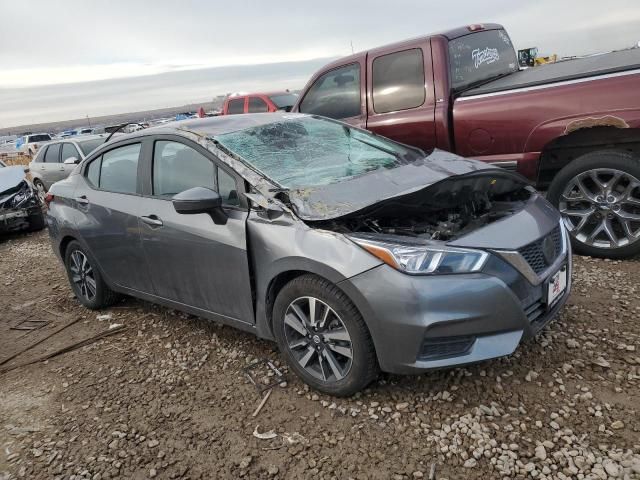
323	336
598	196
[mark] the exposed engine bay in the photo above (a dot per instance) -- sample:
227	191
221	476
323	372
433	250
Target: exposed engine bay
445	211
20	203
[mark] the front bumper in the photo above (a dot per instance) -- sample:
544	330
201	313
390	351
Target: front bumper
15	219
426	322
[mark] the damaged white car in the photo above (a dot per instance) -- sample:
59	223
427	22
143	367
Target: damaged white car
21	207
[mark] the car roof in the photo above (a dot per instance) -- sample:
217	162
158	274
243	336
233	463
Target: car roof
212	126
79	138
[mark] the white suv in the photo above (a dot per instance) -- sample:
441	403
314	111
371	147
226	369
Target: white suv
29	144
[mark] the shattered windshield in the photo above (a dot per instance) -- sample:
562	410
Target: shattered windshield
312	151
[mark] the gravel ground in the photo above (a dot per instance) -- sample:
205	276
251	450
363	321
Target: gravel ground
167	397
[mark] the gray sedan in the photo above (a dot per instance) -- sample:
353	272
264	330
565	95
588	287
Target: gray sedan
353	252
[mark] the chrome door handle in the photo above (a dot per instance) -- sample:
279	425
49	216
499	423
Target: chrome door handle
152	220
82	200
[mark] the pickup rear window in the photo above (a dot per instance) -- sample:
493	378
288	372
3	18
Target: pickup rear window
479	57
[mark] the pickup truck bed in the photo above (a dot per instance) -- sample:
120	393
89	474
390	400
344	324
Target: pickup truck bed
567	70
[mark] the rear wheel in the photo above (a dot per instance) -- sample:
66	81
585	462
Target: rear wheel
42	191
323	336
86	280
598	196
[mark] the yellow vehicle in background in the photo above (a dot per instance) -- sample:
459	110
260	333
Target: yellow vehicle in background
528	57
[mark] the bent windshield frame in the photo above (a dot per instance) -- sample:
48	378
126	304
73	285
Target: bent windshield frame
311	151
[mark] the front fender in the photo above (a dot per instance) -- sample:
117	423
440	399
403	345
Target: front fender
287	244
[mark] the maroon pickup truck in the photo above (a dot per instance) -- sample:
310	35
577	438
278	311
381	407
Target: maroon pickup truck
572	127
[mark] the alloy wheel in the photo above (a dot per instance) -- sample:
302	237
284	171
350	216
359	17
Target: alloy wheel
601	208
318	339
82	275
41	191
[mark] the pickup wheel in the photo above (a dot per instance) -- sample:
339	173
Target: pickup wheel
598	195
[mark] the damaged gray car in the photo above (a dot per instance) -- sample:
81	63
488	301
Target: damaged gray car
354	253
21	205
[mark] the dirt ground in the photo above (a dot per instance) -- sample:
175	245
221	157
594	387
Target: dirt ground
167	396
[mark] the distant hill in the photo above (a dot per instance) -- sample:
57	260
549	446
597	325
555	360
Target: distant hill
106	101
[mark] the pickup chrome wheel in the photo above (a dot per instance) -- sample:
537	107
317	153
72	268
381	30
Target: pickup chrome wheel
318	339
323	337
598	196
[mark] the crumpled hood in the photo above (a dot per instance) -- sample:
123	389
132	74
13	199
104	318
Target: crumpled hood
10	178
335	200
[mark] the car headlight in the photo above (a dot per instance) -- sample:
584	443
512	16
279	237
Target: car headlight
424	259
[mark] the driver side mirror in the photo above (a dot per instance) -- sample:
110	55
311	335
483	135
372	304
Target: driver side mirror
72	161
200	200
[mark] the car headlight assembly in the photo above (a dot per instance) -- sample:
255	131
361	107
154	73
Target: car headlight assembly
418	259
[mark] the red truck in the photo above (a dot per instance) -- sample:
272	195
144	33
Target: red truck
258	103
572	127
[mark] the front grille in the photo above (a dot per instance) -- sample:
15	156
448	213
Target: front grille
445	347
533	252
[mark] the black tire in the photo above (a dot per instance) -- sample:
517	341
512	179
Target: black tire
363	365
603	159
36	222
103	296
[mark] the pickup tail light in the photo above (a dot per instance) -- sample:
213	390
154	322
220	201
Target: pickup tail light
48	198
475	27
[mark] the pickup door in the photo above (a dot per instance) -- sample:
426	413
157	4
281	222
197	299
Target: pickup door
400	93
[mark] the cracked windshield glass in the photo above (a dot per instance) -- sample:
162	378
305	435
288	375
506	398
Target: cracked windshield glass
310	151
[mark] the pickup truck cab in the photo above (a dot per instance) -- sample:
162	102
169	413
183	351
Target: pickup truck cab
572	127
259	103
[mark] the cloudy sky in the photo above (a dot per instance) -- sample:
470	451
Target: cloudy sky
68	59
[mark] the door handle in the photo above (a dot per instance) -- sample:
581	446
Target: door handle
82	200
152	220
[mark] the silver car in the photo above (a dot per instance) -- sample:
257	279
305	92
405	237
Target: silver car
56	160
353	252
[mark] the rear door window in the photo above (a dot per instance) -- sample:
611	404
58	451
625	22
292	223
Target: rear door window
52	153
336	94
398	81
257	105
236	106
119	169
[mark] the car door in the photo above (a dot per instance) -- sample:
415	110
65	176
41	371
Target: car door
50	166
107	205
192	260
400	94
69	150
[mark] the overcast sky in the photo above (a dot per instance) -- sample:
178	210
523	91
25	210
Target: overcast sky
52	42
